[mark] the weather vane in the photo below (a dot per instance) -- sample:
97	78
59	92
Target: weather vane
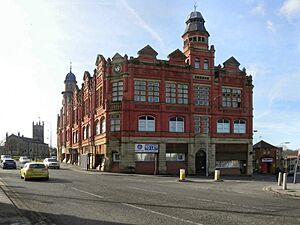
195	6
70	66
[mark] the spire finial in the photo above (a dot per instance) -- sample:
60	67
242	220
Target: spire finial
195	6
70	66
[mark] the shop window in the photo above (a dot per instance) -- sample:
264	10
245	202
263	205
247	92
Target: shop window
228	164
175	157
144	157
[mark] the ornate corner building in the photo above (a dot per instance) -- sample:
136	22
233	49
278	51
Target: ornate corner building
147	115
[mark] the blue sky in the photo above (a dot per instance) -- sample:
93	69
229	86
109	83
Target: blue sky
40	38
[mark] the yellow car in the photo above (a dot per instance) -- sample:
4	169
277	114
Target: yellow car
34	170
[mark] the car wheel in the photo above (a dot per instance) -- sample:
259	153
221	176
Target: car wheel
25	178
47	178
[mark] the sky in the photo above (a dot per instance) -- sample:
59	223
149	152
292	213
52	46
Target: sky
38	39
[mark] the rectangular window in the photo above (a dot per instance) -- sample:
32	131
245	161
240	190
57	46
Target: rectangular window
197	124
144	156
176	93
117	91
115	122
179	157
116	157
231	97
182	94
101	96
146	91
97	98
227	164
201	95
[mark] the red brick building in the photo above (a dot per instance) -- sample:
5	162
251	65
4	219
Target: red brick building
267	158
147	115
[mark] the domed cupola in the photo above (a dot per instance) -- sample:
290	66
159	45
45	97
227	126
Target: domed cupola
70	76
70	81
195	22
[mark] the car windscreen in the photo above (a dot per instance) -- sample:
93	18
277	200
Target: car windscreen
8	160
52	160
37	166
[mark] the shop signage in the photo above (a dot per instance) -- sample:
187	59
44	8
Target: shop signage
267	160
146	148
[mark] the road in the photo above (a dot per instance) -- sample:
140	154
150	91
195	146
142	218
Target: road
81	197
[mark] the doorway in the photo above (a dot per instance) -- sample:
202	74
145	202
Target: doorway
200	162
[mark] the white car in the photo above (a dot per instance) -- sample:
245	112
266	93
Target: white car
51	163
24	159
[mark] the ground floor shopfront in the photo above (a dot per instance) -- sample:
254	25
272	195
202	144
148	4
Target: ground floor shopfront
166	156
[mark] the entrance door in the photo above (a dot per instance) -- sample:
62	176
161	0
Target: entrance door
201	162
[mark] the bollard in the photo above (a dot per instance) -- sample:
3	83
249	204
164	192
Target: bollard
182	175
217	175
279	179
284	185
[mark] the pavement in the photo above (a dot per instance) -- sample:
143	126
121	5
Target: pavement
11	215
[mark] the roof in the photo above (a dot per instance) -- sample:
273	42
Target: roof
263	144
195	22
70	77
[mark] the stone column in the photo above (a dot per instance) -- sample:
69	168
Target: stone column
212	158
127	163
250	160
162	166
191	159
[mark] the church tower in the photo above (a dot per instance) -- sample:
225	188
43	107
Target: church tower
38	131
196	43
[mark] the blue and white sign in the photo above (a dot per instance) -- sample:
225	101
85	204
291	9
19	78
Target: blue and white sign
153	148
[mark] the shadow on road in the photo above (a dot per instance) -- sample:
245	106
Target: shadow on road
12	215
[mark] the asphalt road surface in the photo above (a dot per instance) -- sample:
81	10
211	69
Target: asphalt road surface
80	197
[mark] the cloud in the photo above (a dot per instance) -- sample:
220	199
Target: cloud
290	9
259	10
142	23
270	26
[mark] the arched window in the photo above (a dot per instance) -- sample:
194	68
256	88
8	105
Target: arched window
146	123
84	133
223	126
87	131
176	124
97	127
197	63
206	64
102	125
239	126
74	137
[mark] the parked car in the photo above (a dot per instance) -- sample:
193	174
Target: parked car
51	163
24	159
7	163
34	170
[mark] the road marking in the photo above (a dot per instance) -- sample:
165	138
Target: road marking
141	189
233	204
89	193
161	214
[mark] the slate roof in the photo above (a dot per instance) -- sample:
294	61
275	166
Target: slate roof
263	144
195	22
